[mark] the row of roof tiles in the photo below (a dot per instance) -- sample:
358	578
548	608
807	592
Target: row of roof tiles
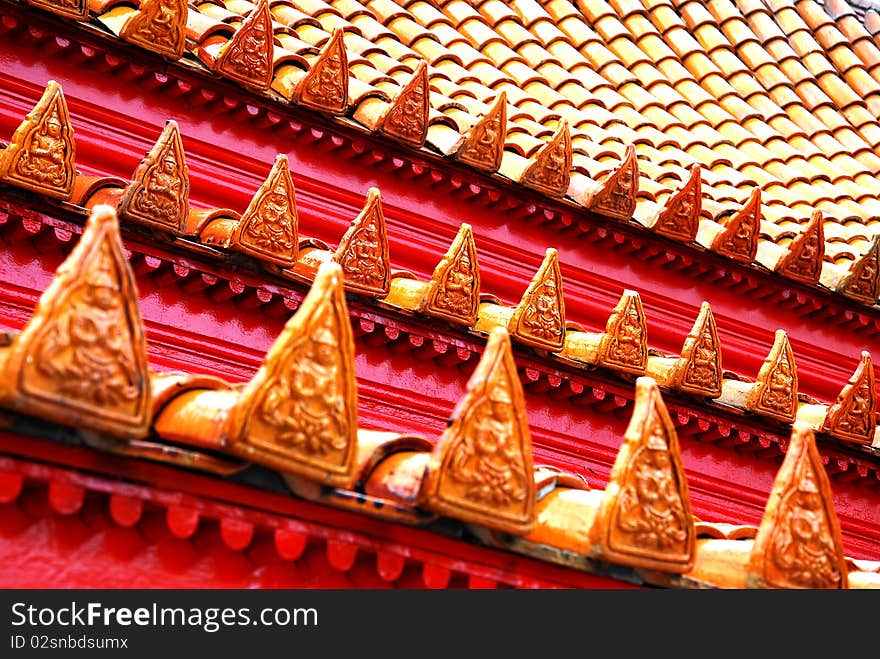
606	106
40	157
81	361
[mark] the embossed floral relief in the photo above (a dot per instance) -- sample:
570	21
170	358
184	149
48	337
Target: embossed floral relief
454	290
299	412
158	194
159	26
645	518
82	356
41	155
481	467
407	117
798	544
269	227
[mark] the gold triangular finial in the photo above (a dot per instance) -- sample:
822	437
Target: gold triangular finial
539	318
852	415
298	414
325	86
483	145
802	260
406	118
269	227
679	218
158	26
363	251
550	169
81	360
454	290
42	154
624	345
863	281
699	367
775	392
481	468
78	10
798	544
247	56
644	519
616	195
158	194
739	239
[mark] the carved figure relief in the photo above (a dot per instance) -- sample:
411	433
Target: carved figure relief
158	194
701	357
550	170
803	259
775	392
625	342
269	227
159	26
483	144
798	544
325	86
407	117
247	57
454	290
617	195
481	468
298	413
82	356
680	216
363	250
739	240
644	519
76	9
852	415
539	319
41	155
863	283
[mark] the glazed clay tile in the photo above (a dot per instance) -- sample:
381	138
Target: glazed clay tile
158	26
406	119
325	85
549	171
862	282
77	10
158	194
739	239
803	258
679	217
616	195
481	467
623	346
453	292
268	229
81	359
798	544
363	251
41	156
698	370
483	144
775	392
539	319
247	58
298	413
852	416
645	519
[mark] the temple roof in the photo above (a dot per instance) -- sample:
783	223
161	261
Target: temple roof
745	129
774	97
